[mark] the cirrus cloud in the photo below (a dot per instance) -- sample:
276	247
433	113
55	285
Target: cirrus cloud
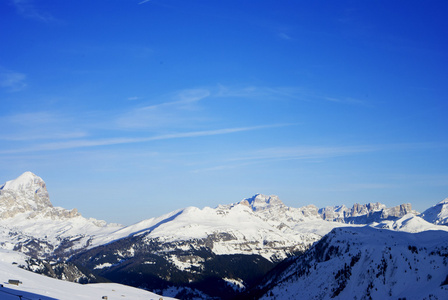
12	81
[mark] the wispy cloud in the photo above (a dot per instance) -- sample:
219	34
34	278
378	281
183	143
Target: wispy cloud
327	151
42	125
283	92
27	9
346	100
44	136
133	98
124	140
285	36
12	81
307	152
172	112
348	187
312	153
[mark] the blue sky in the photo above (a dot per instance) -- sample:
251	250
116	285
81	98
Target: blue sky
131	109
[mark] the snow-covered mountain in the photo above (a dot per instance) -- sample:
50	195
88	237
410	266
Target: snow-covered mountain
189	252
26	194
364	263
438	214
259	225
194	244
31	224
38	287
409	223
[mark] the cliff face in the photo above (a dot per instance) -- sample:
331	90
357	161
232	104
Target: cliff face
28	194
364	213
29	222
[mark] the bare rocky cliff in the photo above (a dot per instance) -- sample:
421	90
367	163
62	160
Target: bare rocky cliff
28	194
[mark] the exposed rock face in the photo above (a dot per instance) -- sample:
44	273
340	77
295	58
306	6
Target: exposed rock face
364	214
262	202
396	211
29	223
272	207
28	194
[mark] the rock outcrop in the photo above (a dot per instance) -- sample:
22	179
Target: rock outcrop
28	194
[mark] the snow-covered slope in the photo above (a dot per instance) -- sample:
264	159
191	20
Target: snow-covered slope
366	263
438	214
258	225
35	286
234	229
409	223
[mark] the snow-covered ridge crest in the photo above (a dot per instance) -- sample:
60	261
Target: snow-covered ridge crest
367	263
26	181
437	214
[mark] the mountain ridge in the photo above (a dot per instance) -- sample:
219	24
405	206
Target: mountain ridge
437	214
191	243
365	263
275	221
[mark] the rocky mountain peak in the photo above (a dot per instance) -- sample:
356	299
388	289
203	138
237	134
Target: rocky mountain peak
364	213
26	181
25	194
262	202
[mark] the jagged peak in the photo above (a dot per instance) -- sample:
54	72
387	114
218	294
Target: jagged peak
27	180
26	193
261	202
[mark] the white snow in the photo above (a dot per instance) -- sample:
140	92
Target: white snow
437	214
53	231
102	266
409	223
237	285
23	182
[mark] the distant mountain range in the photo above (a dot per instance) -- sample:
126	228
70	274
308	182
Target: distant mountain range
208	253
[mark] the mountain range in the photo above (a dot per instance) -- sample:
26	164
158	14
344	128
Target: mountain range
224	252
